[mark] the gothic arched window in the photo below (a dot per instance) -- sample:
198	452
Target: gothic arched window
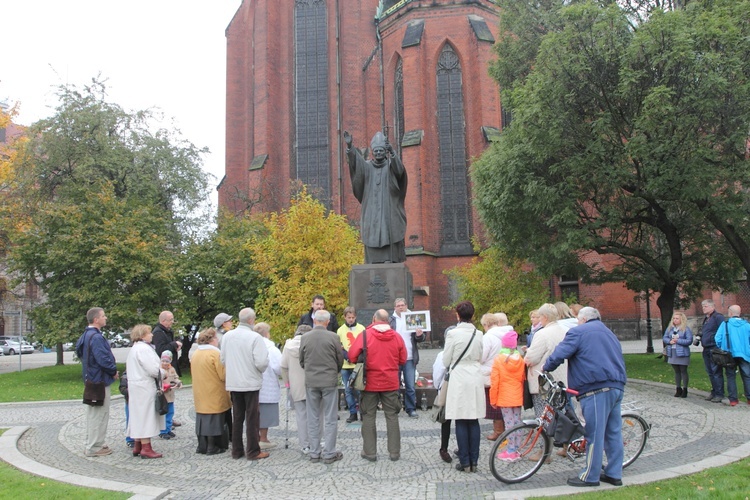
454	185
311	97
398	104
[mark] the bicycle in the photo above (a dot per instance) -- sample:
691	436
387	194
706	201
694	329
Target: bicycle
532	445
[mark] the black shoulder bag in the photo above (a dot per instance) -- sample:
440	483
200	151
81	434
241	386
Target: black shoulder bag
93	392
721	357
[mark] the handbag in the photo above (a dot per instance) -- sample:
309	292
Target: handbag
528	402
721	357
439	404
93	392
437	414
162	406
358	378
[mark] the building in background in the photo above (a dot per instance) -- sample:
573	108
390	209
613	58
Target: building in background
301	72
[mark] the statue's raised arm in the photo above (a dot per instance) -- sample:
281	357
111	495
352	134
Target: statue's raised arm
380	186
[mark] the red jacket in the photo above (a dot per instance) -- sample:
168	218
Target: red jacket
385	353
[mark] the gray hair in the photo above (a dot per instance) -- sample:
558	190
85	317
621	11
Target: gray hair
708	302
399	299
247	316
322	316
302	329
589	313
549	311
264	329
502	319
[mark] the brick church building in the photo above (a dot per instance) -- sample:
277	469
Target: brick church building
301	72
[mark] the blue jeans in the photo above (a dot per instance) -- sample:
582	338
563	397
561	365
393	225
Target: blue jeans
352	395
128	439
603	433
168	419
408	370
467	437
715	374
744	367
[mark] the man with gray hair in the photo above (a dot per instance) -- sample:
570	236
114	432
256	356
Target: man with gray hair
321	357
245	356
711	323
734	336
596	369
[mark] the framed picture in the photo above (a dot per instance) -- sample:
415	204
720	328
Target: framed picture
417	319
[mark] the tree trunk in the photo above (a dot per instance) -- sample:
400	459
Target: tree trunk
59	349
665	302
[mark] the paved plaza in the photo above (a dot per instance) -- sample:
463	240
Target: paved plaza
47	439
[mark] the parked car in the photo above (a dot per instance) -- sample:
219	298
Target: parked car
117	340
10	348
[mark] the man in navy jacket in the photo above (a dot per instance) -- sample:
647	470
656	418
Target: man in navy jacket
711	324
98	366
596	370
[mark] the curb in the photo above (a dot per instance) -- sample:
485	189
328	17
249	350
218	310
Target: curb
9	453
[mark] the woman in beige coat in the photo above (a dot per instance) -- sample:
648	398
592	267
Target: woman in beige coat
544	342
213	404
293	376
465	400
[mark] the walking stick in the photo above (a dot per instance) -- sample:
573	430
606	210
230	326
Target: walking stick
288	407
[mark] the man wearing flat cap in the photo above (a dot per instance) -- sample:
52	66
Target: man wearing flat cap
222	323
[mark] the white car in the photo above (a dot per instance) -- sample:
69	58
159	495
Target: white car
10	348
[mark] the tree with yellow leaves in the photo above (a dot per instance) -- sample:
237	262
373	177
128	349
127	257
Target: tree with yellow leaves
307	251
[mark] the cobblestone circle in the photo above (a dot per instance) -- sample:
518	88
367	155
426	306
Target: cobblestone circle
683	432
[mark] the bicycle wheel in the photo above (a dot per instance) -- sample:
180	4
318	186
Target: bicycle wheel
518	453
634	436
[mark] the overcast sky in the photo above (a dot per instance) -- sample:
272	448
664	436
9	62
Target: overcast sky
166	54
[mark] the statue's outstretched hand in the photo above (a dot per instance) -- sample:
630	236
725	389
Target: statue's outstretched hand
348	139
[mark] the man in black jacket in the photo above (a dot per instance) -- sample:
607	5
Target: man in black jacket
164	339
318	304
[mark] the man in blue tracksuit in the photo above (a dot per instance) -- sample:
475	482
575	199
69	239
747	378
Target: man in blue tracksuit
596	369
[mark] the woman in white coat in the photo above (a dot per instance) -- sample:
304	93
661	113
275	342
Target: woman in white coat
542	346
144	372
270	392
465	400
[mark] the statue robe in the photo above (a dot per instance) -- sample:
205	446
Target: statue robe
381	189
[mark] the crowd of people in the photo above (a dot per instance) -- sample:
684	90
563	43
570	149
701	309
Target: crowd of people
480	374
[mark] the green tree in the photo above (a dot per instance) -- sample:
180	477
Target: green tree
494	282
307	250
620	131
101	203
218	272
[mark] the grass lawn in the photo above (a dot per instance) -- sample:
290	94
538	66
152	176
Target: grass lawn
51	383
20	485
647	367
728	482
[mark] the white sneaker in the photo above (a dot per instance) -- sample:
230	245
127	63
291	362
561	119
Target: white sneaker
267	445
306	450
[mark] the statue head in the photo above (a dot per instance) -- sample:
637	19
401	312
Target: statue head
378	146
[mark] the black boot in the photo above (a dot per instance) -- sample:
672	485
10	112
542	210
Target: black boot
684	393
678	394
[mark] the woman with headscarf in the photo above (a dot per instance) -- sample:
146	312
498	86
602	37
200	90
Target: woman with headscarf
213	405
293	376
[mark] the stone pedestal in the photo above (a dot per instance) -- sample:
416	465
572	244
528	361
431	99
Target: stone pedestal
376	286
